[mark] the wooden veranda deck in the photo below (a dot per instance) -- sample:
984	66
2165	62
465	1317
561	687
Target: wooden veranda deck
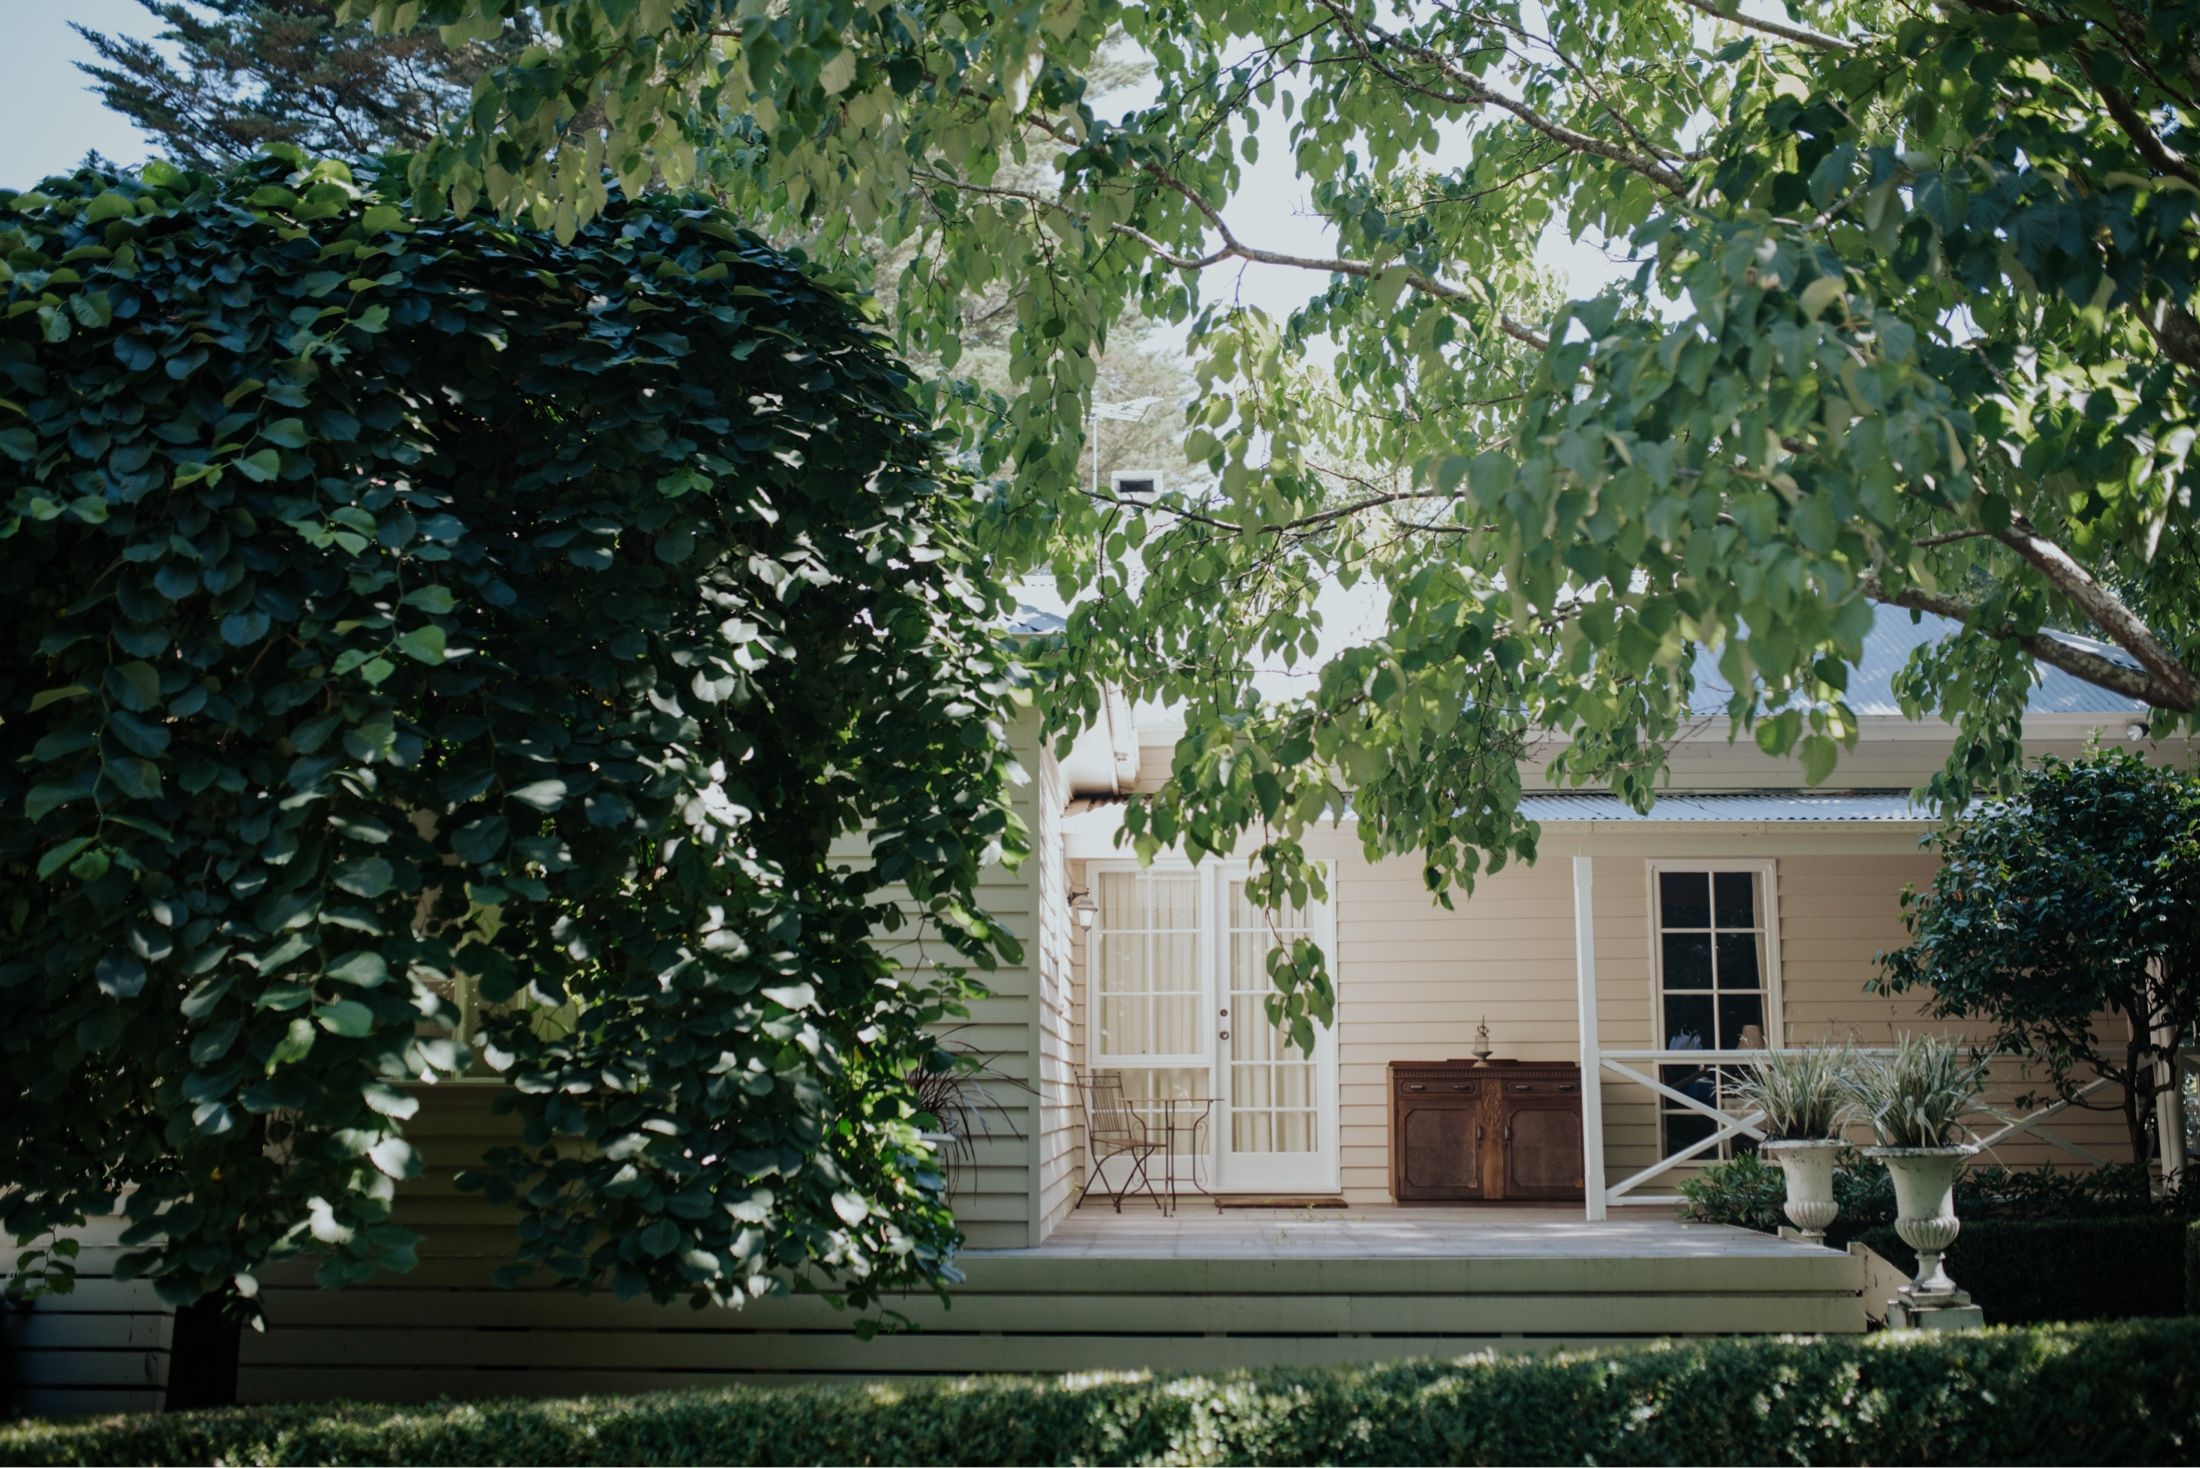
1193	1292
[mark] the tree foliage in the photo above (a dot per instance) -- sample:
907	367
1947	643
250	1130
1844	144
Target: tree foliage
222	79
1902	316
428	635
2076	898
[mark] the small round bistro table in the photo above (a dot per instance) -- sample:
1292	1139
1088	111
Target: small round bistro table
1185	1117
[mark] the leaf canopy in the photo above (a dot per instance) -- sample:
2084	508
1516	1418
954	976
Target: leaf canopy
1903	312
428	633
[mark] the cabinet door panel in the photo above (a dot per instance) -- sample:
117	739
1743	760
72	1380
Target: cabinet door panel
1442	1145
1542	1142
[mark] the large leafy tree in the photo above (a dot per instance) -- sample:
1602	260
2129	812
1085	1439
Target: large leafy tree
2069	916
425	633
1902	316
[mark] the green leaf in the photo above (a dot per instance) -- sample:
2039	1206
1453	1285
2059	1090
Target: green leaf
60	856
1820	294
346	1017
296	1043
120	975
423	644
367	877
260	466
134	686
360	969
543	795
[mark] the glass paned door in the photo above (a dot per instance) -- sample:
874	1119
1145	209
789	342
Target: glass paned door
1278	1121
1179	984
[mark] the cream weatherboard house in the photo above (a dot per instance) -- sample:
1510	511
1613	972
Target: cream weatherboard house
1613	975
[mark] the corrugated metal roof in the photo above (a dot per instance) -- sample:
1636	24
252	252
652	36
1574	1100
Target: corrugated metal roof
1887	649
1792	806
1029	620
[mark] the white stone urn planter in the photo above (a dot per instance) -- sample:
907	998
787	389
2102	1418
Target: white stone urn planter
1925	1214
1807	1164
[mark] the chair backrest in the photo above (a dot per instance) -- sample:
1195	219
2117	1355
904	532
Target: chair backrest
1109	1118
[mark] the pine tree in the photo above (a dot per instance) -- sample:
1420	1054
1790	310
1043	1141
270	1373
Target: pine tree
246	73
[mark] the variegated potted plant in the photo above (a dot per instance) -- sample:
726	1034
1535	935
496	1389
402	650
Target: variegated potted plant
1915	1101
1805	1097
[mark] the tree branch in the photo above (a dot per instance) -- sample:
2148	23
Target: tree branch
2079	662
1233	248
1472	92
2107	611
1800	34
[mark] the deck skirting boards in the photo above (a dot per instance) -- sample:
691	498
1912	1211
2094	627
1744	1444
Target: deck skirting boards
445	1331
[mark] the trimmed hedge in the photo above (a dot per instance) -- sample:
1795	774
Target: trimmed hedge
2026	1271
2120	1393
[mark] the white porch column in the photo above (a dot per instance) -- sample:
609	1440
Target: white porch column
1592	1057
2169	1110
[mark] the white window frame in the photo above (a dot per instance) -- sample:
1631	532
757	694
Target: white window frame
1767	872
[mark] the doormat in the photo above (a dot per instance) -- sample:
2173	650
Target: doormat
1285	1202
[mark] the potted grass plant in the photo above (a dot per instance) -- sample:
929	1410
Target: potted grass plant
954	1093
1805	1097
1915	1101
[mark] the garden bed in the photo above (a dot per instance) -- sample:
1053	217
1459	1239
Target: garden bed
2116	1393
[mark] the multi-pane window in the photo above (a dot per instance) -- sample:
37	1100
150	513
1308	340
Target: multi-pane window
1714	982
1152	999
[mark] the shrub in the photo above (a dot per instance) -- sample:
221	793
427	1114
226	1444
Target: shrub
395	597
2023	1271
1747	1190
2125	1393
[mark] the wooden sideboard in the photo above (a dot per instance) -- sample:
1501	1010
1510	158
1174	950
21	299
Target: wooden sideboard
1467	1133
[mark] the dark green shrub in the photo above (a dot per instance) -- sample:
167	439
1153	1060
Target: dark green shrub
394	598
1747	1191
2023	1271
2075	1394
2192	1269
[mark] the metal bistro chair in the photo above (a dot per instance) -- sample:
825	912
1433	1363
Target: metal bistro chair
1113	1130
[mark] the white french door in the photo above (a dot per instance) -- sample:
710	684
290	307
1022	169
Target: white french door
1177	1005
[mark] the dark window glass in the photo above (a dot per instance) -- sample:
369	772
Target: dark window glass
1685	1127
1736	1012
1684	899
1736	898
1688	1015
1696	1082
1740	962
1687	960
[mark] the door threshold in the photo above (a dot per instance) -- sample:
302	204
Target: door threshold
1287	1200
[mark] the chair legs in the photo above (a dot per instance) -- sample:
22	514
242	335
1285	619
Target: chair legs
1139	1178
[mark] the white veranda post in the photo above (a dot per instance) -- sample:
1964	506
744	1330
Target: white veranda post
1592	1060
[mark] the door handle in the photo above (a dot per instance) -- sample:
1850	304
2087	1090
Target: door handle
1225	1034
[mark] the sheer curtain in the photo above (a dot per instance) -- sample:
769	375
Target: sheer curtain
1154	1009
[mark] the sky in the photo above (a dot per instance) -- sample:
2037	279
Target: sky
48	120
